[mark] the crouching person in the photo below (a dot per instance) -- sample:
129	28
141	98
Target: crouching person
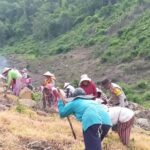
122	120
13	80
95	119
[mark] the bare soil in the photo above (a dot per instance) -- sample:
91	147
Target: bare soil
68	67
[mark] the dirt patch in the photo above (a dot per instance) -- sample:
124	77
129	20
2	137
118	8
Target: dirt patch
44	145
69	66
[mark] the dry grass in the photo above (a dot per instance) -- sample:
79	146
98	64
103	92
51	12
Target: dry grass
17	131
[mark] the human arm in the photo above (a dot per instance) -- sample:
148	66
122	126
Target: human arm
121	100
94	89
65	109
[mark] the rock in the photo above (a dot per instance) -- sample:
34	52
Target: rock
143	114
134	106
3	107
1	89
11	98
143	123
25	93
41	113
137	112
27	102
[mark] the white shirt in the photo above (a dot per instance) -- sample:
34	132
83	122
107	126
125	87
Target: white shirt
71	88
121	114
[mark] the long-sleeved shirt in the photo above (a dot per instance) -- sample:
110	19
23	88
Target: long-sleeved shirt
13	75
90	89
86	111
118	96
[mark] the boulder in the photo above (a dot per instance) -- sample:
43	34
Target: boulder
25	93
11	98
41	113
143	123
3	107
143	114
27	102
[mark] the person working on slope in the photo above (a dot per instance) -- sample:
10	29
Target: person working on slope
50	93
13	79
122	119
118	98
88	85
95	119
69	89
26	79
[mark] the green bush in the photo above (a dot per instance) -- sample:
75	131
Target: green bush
75	83
142	85
146	96
20	108
36	96
104	59
134	98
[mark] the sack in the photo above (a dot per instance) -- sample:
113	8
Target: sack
115	127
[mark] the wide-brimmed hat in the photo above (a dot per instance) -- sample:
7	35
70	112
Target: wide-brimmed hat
2	77
66	84
49	74
80	93
98	90
84	77
6	69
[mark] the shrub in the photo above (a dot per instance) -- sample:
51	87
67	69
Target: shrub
104	59
146	96
134	98
37	96
20	108
142	85
90	42
75	83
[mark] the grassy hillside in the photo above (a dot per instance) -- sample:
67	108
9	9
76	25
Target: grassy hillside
117	32
31	131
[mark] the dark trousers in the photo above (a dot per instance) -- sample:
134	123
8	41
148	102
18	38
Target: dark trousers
92	139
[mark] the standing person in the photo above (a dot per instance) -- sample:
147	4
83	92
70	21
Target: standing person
50	78
69	89
95	119
88	85
26	79
13	79
118	97
123	119
50	93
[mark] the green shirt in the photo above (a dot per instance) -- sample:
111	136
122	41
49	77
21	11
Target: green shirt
13	74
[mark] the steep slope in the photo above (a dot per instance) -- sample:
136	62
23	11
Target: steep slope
119	29
106	40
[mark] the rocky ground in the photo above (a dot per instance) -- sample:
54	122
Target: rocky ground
36	129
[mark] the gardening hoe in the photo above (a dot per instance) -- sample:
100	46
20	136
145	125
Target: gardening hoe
71	126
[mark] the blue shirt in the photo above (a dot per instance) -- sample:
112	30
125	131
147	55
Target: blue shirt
86	111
